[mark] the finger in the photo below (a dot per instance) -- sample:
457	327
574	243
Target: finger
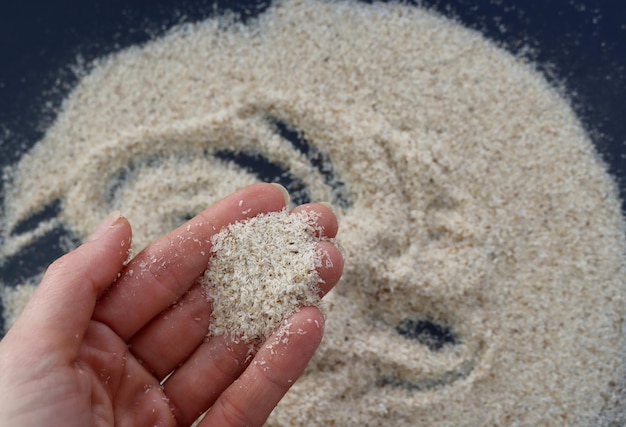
61	307
331	268
122	382
167	268
332	261
170	338
279	363
194	387
327	221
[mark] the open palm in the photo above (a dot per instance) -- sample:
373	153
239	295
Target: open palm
104	342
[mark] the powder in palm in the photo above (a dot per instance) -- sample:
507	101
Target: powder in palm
263	269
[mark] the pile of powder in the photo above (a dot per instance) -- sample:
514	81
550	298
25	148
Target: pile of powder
485	280
261	271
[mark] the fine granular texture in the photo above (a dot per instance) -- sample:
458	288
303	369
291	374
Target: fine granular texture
262	270
484	280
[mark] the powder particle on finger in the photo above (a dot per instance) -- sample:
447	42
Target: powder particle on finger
262	270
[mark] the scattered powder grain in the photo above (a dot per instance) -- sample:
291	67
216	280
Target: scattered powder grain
262	270
484	281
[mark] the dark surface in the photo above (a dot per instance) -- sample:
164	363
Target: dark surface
580	44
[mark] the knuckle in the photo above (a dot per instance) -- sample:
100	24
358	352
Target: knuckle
232	413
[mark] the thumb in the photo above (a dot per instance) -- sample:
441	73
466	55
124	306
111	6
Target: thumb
58	313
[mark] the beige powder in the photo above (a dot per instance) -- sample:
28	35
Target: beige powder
473	200
262	271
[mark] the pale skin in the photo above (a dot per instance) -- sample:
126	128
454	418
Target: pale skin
96	343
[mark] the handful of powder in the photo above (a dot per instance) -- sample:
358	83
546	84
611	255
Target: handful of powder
263	270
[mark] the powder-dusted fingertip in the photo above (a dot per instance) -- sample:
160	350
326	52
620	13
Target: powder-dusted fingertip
106	223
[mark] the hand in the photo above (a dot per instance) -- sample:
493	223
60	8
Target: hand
102	343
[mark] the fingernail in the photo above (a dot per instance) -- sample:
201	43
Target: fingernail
285	193
104	226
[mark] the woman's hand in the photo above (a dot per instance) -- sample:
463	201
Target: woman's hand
103	342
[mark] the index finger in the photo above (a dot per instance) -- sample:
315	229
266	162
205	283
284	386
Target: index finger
168	267
278	364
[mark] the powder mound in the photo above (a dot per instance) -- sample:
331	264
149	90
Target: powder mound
263	270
